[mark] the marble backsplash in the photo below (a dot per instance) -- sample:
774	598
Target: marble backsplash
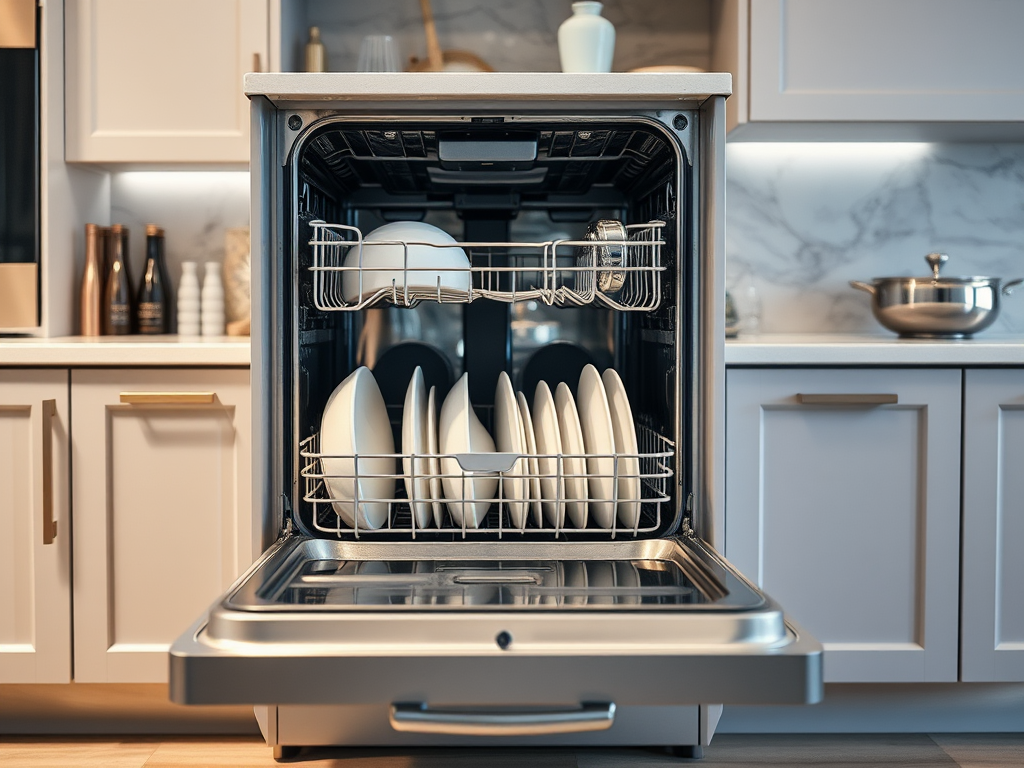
195	208
802	220
511	36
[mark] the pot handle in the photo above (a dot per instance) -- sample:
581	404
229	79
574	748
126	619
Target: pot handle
1010	285
867	287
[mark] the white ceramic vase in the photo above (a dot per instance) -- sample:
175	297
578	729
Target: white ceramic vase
212	300
586	40
188	300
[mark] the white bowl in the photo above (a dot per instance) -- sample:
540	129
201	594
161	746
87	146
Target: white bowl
385	263
355	422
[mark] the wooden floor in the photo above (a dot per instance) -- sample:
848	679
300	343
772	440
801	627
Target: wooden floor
917	750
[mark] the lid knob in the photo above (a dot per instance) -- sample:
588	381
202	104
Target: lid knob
935	261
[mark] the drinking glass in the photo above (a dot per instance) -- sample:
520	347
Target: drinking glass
378	53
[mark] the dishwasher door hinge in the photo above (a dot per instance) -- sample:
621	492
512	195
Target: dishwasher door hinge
687	530
287	527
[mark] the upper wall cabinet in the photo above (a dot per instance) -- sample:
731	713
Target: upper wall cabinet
155	81
885	69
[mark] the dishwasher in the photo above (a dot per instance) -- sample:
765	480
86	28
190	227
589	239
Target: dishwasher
591	212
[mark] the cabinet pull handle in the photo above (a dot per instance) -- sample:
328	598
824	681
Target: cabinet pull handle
848	399
168	398
256	63
49	525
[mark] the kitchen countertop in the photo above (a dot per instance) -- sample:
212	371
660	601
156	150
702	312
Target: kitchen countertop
856	349
125	351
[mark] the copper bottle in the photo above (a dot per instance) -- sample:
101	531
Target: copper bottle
91	309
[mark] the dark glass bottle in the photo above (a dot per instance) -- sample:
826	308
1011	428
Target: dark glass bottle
153	301
117	292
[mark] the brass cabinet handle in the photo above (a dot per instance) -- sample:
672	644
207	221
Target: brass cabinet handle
49	525
168	398
848	399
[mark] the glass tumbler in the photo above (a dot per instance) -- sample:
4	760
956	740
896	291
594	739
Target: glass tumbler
378	53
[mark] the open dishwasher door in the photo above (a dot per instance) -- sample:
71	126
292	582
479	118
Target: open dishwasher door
644	622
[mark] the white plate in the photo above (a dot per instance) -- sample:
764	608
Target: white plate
383	262
625	443
414	441
355	421
433	468
510	438
545	430
531	449
596	422
460	431
575	468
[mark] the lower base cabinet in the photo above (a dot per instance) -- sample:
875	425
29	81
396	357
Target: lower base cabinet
35	563
992	597
892	531
843	502
162	514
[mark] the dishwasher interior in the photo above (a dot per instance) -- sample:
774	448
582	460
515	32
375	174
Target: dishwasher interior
521	201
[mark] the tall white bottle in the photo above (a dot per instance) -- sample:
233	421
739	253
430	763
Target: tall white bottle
188	300
212	300
586	40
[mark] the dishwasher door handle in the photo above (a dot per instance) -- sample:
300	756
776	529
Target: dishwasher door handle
417	717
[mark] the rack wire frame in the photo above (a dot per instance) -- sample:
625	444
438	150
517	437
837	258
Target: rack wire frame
562	272
654	465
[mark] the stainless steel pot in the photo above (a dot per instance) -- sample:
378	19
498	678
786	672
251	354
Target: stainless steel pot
936	306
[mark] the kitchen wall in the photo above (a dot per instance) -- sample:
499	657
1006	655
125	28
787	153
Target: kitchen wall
804	219
512	36
195	208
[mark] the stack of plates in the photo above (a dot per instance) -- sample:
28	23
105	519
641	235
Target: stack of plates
565	463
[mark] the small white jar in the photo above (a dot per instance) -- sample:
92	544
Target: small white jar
188	300
586	40
212	300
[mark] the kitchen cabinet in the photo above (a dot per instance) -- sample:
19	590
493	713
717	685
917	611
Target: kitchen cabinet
160	81
905	69
35	596
843	503
992	628
163	523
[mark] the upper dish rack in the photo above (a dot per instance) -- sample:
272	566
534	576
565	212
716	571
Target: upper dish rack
653	470
556	272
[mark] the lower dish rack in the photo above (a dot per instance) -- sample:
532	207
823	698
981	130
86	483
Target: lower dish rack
641	483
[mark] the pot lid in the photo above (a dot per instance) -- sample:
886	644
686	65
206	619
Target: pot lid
935	261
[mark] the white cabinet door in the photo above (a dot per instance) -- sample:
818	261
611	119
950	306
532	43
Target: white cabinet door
992	628
161	80
886	60
35	579
161	495
849	514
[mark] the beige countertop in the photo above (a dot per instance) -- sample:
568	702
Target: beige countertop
853	349
125	351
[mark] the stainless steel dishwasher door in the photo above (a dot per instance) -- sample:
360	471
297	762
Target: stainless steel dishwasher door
704	634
